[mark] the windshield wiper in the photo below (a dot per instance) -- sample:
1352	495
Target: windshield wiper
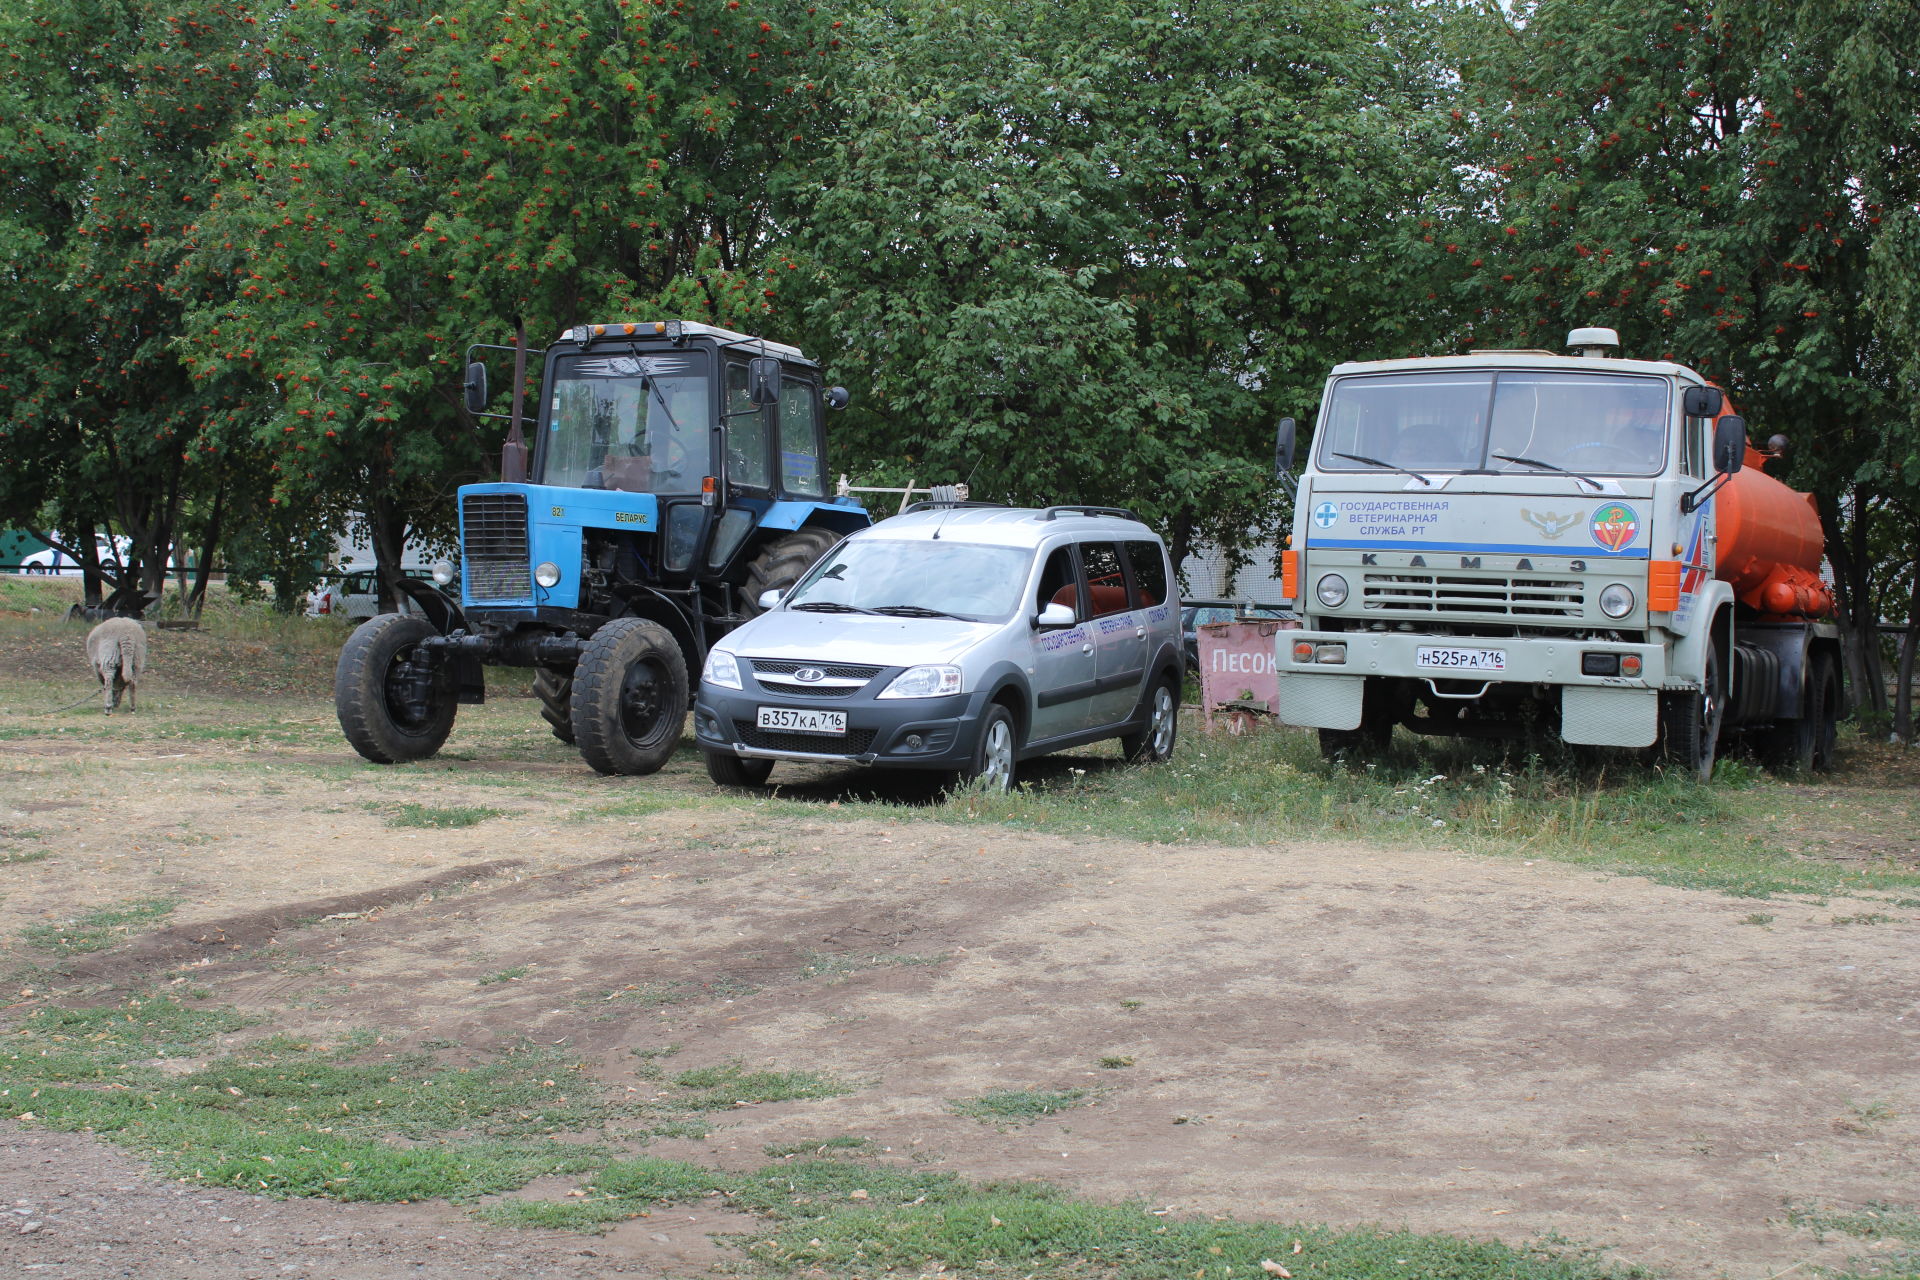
1548	466
911	611
1375	462
829	606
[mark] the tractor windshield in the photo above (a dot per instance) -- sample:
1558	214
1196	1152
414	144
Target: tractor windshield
637	423
1515	420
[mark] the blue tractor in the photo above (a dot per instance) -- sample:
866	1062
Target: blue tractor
677	473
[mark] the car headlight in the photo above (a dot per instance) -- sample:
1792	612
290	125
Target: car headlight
1616	601
721	669
924	682
1332	590
547	573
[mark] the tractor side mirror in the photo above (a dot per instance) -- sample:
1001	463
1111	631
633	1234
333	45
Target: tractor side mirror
1729	444
1701	402
1283	448
836	397
476	387
763	381
1054	615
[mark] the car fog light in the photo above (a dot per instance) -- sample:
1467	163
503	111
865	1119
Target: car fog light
1332	590
915	742
547	574
1616	601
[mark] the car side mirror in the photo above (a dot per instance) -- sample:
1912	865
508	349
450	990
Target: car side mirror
476	387
1729	444
1701	402
1054	615
763	381
768	599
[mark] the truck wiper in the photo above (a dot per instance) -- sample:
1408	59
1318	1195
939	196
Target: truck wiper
911	611
1548	466
1375	462
829	606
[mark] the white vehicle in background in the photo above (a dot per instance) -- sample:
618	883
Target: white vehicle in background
355	594
51	560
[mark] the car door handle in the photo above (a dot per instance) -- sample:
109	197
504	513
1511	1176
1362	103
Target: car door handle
1086	648
1139	633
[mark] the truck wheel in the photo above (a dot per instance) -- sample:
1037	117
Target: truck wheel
376	692
629	697
993	759
1153	744
781	562
729	770
1690	723
555	691
1824	710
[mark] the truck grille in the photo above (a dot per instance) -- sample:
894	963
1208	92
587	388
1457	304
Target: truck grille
852	743
493	529
1504	597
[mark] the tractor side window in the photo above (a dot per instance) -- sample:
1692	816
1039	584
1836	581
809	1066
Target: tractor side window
800	440
1149	572
1059	584
747	462
1106	580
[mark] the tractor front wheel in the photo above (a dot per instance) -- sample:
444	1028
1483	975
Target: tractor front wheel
394	703
629	698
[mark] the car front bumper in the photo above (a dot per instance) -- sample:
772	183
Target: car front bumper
903	733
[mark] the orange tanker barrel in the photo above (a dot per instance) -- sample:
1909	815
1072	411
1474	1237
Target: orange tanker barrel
1770	544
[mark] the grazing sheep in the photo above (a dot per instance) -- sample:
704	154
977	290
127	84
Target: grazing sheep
117	652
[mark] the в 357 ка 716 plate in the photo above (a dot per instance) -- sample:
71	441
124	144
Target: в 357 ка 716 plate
797	720
1462	659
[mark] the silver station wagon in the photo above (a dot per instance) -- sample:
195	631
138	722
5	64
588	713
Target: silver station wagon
961	637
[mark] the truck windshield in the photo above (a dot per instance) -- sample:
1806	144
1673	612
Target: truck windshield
637	423
917	578
1498	421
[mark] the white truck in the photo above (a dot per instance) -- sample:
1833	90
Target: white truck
1514	541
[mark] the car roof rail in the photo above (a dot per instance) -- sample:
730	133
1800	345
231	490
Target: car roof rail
1052	513
935	504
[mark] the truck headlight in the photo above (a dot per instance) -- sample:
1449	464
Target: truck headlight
923	682
1616	601
547	573
721	669
1332	590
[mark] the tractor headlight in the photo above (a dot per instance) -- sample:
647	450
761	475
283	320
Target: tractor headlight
1332	590
923	682
1616	600
443	572
547	573
721	669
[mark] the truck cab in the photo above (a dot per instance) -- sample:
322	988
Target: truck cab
1491	544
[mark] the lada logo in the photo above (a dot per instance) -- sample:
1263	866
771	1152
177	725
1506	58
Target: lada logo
1614	525
809	675
1551	524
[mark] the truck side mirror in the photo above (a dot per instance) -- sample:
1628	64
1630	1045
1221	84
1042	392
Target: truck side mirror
1283	449
1054	615
476	387
763	381
1701	402
1729	444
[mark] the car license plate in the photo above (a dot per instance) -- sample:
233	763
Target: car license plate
795	720
1462	659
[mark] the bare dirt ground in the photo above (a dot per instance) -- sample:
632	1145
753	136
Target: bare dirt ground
1317	1032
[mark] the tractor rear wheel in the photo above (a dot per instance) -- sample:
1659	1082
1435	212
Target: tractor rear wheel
781	562
555	691
629	697
392	707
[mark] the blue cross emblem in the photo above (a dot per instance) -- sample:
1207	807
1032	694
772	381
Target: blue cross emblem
1325	514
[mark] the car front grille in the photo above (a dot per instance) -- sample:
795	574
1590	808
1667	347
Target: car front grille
836	679
852	743
1491	594
838	670
494	546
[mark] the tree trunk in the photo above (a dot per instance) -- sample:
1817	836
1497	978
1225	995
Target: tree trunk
197	598
1859	625
1909	642
1180	538
387	531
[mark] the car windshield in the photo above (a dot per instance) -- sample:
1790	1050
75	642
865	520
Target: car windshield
1526	421
917	578
629	422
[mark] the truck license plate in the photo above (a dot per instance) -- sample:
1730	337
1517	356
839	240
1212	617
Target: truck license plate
1462	659
795	720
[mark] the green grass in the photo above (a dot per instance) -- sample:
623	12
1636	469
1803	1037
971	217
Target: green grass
818	1146
97	930
513	974
20	857
1018	1106
1876	1220
727	1085
450	816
